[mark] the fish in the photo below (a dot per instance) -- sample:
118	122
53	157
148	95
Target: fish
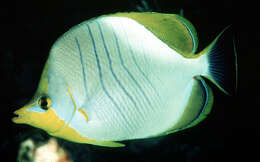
129	75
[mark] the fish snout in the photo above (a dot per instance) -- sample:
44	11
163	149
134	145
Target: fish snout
20	114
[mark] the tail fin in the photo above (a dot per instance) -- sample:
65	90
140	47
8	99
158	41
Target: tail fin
222	59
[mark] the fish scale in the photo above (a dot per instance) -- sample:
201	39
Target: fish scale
132	59
151	108
128	67
136	119
148	86
110	84
121	80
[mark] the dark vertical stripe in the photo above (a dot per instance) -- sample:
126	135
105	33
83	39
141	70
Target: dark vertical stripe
101	76
129	73
113	73
82	66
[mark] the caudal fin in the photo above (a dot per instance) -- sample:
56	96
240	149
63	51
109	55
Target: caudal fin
222	59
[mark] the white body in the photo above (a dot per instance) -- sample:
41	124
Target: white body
129	83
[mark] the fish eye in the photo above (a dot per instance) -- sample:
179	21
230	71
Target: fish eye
44	102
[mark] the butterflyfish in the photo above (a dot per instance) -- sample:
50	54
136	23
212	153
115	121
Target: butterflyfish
127	76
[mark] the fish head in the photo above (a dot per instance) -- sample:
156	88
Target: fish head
39	114
51	108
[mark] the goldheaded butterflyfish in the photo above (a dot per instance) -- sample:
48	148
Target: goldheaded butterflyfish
129	76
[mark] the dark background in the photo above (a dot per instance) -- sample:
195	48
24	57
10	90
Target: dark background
29	28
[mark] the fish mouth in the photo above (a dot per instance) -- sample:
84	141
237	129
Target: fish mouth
20	114
16	114
17	117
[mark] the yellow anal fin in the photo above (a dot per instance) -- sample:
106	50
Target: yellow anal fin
198	107
83	113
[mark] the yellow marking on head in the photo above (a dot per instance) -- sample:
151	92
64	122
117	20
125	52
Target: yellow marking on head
53	125
48	121
84	114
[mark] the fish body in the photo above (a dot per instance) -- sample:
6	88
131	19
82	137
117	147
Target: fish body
128	76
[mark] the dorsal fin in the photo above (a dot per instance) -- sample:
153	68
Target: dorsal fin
177	32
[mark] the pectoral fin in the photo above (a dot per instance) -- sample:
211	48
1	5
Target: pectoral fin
83	113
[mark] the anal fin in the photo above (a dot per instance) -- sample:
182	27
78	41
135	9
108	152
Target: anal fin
199	106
